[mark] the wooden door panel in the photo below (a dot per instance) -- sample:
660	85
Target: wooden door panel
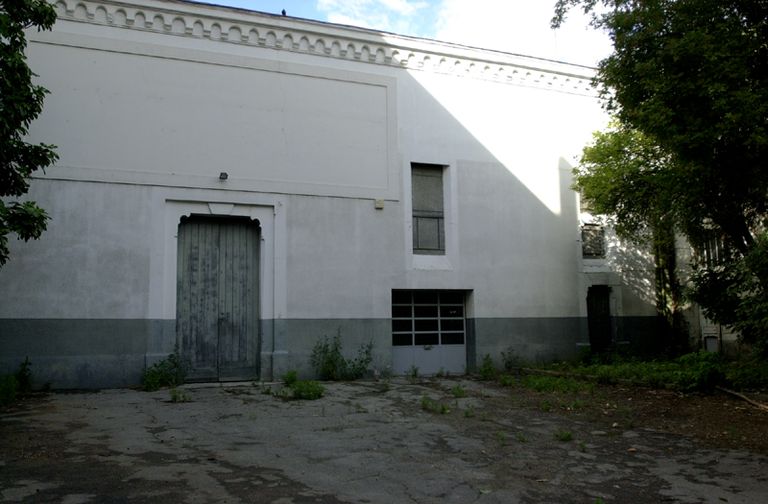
217	298
237	303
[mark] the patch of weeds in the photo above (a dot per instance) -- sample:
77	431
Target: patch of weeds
545	406
750	373
307	389
458	391
487	370
168	372
469	412
9	388
698	371
24	377
433	406
575	405
14	385
599	500
563	435
386	386
520	437
266	389
290	377
556	384
440	373
582	446
299	389
510	360
506	380
413	374
179	396
330	364
501	437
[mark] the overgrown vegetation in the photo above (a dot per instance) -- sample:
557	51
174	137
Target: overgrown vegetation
698	371
168	372
413	374
179	395
9	388
300	389
14	385
24	376
433	406
487	369
687	84
511	361
329	362
556	384
458	391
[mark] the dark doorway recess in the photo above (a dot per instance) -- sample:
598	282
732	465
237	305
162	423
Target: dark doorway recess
599	317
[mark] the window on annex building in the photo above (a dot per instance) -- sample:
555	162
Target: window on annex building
592	241
428	215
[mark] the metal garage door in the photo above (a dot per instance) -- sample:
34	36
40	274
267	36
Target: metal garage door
428	331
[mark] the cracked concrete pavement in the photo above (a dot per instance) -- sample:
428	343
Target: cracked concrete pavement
370	442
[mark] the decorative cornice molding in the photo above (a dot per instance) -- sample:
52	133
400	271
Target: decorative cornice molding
235	26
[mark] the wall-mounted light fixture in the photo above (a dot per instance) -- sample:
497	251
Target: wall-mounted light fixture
223	176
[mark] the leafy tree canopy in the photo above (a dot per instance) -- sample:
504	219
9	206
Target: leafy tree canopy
20	103
688	84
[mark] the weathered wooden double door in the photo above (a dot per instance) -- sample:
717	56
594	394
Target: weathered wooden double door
217	316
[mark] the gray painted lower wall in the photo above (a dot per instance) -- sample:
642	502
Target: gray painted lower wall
532	339
108	353
83	353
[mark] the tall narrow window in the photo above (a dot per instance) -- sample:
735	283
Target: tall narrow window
428	217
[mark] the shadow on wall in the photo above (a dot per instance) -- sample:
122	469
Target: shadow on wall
514	217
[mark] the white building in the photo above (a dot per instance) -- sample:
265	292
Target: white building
245	184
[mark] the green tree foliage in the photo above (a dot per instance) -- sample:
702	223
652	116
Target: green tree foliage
21	102
624	174
688	84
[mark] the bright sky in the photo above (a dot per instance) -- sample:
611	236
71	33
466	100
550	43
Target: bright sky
516	26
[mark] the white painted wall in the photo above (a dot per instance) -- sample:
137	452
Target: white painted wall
151	100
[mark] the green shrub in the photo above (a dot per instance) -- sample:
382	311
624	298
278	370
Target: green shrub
699	371
747	374
9	387
290	378
24	377
307	389
487	369
458	391
168	372
330	364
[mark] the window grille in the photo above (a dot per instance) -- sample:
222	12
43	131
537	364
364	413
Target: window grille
428	215
422	317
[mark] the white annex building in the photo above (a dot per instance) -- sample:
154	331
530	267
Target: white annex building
239	185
